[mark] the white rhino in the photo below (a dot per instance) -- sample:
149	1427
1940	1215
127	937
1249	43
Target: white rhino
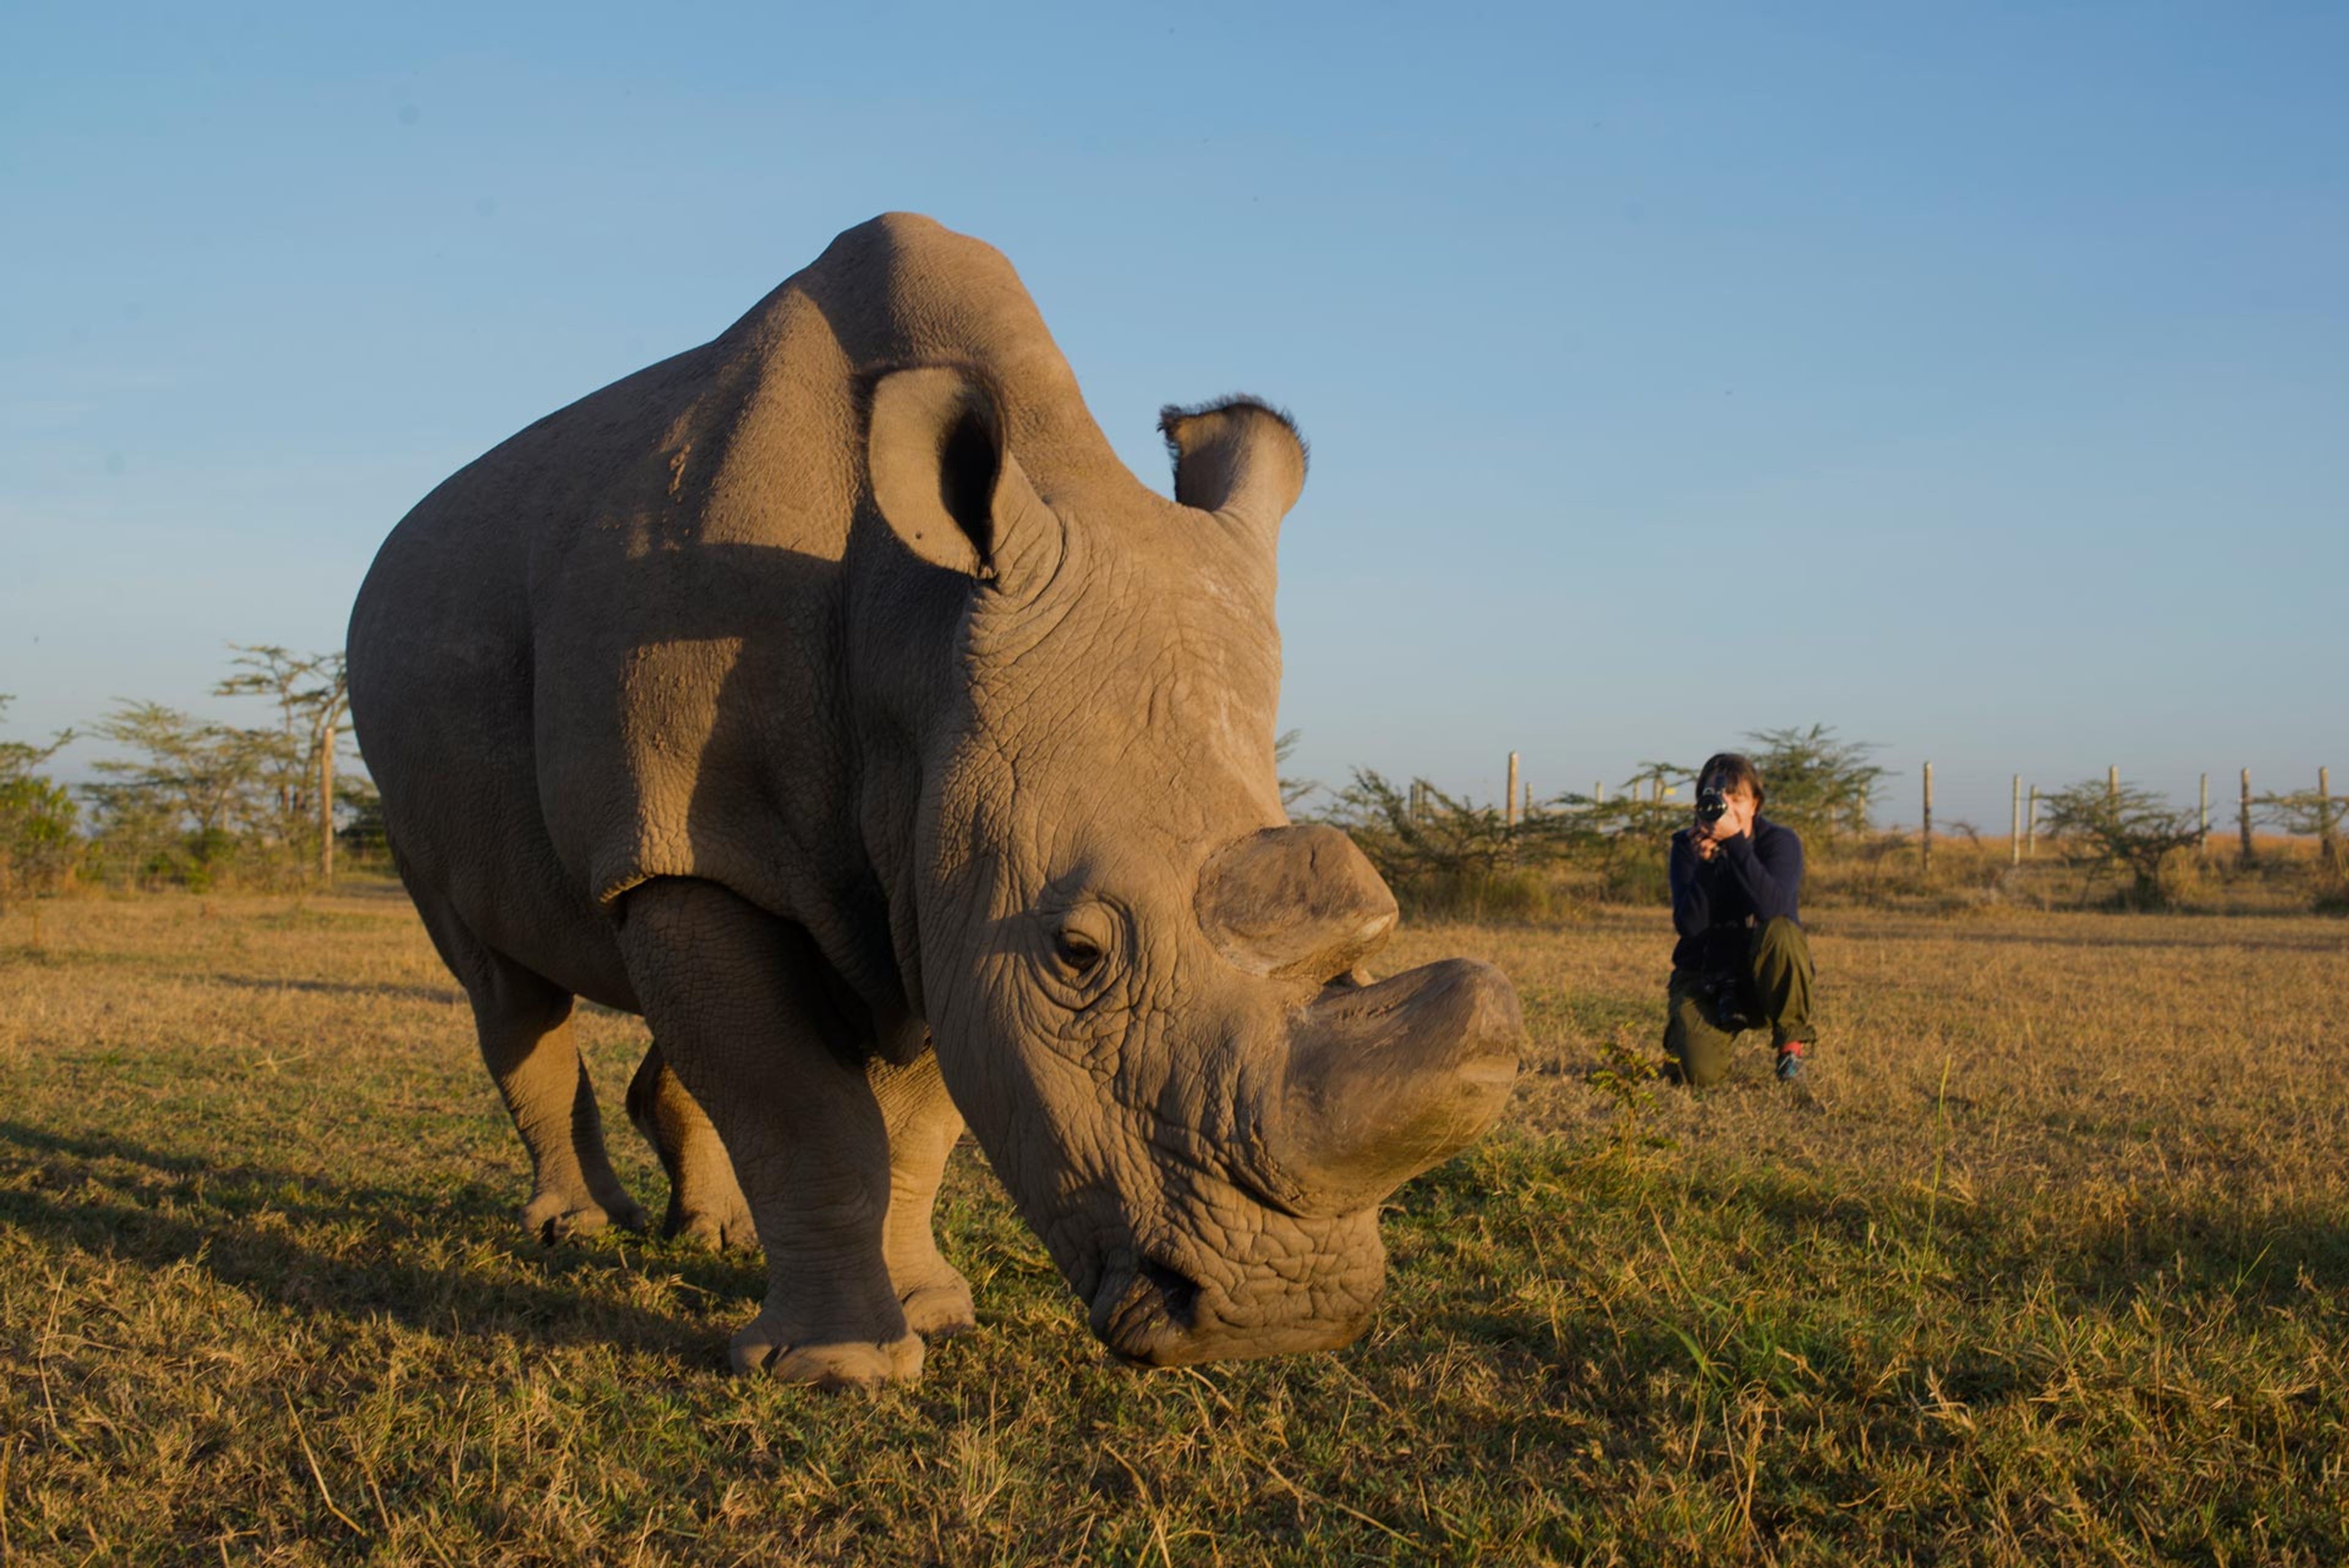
832	697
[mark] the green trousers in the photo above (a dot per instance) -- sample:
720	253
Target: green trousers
1773	989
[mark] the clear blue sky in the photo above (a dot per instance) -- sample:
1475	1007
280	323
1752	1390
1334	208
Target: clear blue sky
1973	378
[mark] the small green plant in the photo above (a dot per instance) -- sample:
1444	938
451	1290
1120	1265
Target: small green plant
1627	1077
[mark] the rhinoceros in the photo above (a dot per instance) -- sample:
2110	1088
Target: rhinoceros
831	696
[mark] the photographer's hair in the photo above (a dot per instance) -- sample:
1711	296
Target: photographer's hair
1725	771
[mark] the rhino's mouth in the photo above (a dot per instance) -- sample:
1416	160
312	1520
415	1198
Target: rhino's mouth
1145	1312
1150	1313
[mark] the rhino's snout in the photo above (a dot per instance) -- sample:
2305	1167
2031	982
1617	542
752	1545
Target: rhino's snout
1380	1082
1384	1082
1255	1232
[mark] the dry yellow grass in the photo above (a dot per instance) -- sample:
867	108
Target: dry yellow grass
2044	1264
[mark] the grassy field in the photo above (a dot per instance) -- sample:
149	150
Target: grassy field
2045	1264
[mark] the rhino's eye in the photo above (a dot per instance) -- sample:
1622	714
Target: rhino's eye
1079	951
1082	942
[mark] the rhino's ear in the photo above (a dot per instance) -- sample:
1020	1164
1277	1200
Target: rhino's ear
944	480
1236	456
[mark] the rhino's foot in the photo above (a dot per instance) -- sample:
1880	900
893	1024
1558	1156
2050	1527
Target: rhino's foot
939	1307
844	1364
721	1228
559	1216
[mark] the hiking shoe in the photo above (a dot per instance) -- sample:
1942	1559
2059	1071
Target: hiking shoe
1790	1061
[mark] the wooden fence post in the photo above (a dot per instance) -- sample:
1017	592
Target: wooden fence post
1925	842
2113	782
2202	834
2031	826
1598	793
1509	810
2249	854
2325	833
2014	825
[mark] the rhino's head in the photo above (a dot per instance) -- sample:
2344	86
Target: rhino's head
1142	981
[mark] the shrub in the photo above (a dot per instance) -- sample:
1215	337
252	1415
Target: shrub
38	845
1447	855
2122	827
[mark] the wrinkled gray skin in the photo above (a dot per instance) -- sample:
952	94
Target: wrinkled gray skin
831	696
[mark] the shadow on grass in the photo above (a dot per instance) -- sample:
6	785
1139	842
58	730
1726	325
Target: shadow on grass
254	1228
445	994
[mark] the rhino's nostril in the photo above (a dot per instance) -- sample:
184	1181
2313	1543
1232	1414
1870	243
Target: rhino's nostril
1176	1290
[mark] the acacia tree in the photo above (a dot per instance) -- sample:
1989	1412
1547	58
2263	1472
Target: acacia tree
313	695
178	805
2121	826
1820	785
37	842
2309	814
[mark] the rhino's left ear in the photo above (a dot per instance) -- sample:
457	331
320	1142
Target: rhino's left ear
1237	456
946	483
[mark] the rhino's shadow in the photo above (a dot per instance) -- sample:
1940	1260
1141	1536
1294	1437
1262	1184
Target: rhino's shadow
171	1208
449	995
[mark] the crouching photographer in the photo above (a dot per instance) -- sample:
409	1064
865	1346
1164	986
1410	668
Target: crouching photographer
1742	961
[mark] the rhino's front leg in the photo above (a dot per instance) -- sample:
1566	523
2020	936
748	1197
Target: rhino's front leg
705	1202
737	1001
922	1126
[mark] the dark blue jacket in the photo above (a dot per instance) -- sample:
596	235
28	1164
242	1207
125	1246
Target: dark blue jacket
1716	904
